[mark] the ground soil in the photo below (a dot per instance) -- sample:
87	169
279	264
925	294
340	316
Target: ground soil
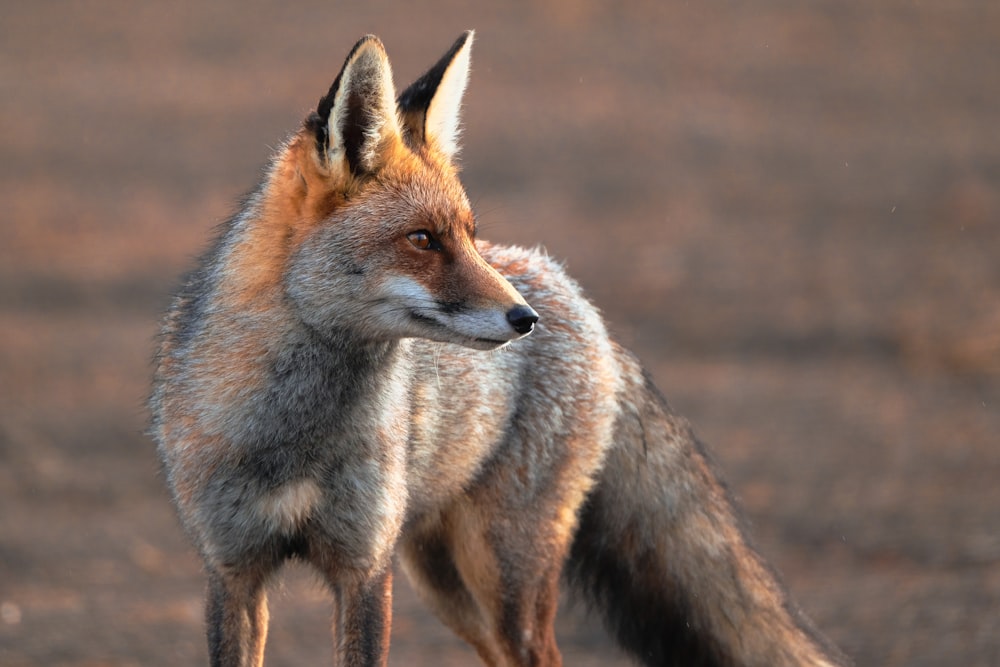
791	213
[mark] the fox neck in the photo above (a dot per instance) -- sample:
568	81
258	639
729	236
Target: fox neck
343	369
323	385
318	380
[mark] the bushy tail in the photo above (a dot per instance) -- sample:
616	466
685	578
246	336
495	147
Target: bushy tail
660	554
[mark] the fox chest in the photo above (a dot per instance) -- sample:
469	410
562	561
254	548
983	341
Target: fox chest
348	498
317	469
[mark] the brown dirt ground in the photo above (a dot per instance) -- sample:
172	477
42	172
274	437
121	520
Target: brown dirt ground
790	213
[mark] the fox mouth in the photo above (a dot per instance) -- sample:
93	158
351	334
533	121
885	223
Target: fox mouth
433	323
489	343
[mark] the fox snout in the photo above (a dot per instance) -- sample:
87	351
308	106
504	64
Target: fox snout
522	319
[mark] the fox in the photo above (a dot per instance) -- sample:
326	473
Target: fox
352	378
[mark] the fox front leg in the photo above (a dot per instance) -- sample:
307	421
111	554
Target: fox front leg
363	621
237	619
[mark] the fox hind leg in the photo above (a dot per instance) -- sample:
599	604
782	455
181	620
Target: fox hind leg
499	598
427	560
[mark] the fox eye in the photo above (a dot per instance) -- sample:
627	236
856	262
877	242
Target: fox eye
424	240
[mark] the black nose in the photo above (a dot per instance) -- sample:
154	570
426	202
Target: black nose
522	319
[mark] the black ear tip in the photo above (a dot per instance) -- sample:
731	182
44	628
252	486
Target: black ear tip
317	121
367	39
462	40
364	41
418	96
326	102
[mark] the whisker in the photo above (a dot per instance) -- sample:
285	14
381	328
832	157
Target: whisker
437	373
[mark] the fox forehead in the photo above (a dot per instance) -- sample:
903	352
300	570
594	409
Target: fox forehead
424	195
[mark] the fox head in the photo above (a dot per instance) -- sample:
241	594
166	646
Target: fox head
378	231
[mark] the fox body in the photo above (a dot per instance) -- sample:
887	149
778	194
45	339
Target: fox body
325	390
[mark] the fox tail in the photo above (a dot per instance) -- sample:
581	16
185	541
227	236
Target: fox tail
660	555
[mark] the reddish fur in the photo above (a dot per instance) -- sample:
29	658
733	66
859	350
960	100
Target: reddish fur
297	419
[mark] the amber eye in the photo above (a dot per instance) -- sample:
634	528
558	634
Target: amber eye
423	240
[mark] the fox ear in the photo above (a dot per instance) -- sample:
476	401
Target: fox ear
429	109
358	113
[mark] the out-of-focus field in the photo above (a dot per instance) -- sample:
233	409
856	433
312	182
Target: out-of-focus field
791	212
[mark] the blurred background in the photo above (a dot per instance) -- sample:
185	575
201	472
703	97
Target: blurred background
790	211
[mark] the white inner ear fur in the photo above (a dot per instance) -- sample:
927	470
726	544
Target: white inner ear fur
369	76
443	119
